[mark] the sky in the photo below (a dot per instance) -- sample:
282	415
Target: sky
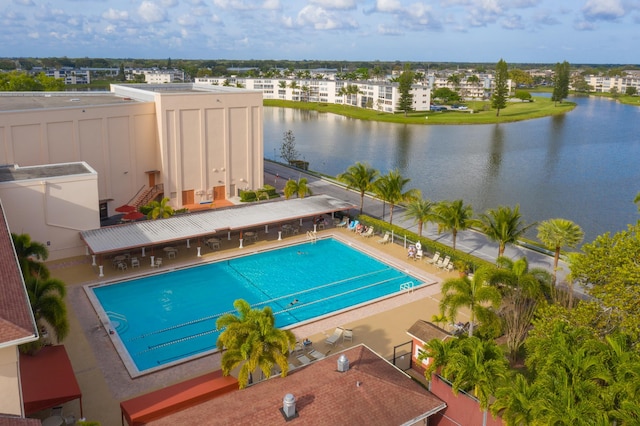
518	31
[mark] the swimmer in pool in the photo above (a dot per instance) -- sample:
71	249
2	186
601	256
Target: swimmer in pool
295	301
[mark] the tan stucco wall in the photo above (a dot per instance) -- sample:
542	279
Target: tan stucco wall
53	211
10	394
118	141
210	139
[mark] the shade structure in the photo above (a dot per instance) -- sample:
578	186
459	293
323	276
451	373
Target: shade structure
48	379
125	209
133	216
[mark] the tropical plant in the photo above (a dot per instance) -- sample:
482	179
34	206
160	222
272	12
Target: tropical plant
561	82
298	188
46	297
160	209
421	211
31	255
476	366
438	352
521	289
514	400
472	293
556	234
252	339
390	188
503	225
359	177
454	216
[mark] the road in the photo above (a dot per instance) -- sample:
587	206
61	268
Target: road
469	241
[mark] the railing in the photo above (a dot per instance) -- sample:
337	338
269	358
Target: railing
149	195
408	287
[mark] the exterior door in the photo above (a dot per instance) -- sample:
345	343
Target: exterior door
218	193
188	197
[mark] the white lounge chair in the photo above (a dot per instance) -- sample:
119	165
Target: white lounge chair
316	354
304	360
343	223
419	254
368	232
443	263
435	258
333	339
386	239
347	335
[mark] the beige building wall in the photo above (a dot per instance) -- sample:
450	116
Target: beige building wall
205	142
53	210
10	390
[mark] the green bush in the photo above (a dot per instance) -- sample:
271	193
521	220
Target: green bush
251	195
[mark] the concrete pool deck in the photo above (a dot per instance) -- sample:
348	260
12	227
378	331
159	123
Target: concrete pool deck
105	382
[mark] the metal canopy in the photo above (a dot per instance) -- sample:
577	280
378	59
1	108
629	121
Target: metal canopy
193	225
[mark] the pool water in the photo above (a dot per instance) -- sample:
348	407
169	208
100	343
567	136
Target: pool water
165	318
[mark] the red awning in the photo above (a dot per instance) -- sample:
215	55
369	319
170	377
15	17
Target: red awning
48	379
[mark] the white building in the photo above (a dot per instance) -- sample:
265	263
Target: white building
605	84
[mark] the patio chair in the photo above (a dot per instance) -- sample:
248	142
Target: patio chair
333	339
343	223
347	335
419	254
135	263
122	266
434	259
158	262
304	360
443	263
316	354
386	239
368	232
352	225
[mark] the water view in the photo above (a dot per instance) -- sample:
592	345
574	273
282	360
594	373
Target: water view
581	166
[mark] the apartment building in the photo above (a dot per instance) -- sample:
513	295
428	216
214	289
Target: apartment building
381	96
605	84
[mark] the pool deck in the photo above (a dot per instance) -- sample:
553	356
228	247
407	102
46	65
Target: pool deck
105	382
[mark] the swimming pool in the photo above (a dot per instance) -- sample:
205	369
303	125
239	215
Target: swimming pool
167	318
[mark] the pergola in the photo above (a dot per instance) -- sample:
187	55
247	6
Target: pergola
149	233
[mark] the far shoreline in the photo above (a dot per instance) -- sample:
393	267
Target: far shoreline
479	112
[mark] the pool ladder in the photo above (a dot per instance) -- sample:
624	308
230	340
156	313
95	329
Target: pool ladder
408	287
118	321
312	236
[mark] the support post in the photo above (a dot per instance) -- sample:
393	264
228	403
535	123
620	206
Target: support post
188	243
199	255
93	260
279	235
101	268
152	261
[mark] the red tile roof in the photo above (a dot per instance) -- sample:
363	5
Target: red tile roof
16	318
372	391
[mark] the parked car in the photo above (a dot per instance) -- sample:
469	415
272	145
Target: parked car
438	108
459	107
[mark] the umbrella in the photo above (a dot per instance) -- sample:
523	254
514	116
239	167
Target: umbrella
126	209
133	216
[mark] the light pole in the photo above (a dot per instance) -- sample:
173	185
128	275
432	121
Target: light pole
274	154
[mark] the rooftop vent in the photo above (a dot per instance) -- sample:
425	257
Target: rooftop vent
288	409
343	363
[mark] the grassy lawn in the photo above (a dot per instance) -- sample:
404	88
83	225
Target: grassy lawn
482	112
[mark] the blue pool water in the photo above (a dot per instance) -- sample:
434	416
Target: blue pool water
168	317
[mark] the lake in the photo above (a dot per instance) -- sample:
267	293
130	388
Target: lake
581	166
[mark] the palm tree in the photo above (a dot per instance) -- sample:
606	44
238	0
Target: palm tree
251	339
390	188
469	293
439	351
454	216
558	233
359	177
298	188
160	209
477	366
521	289
30	255
503	225
514	400
421	211
47	303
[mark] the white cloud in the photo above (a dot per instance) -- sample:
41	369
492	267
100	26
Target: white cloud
603	10
34	35
271	5
151	12
386	30
388	6
584	26
169	3
513	22
233	4
25	2
115	15
335	4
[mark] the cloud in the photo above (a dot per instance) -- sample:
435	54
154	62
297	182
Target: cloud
271	5
388	6
389	31
335	4
151	12
513	22
581	25
233	4
321	19
115	15
603	10
545	18
169	3
25	2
